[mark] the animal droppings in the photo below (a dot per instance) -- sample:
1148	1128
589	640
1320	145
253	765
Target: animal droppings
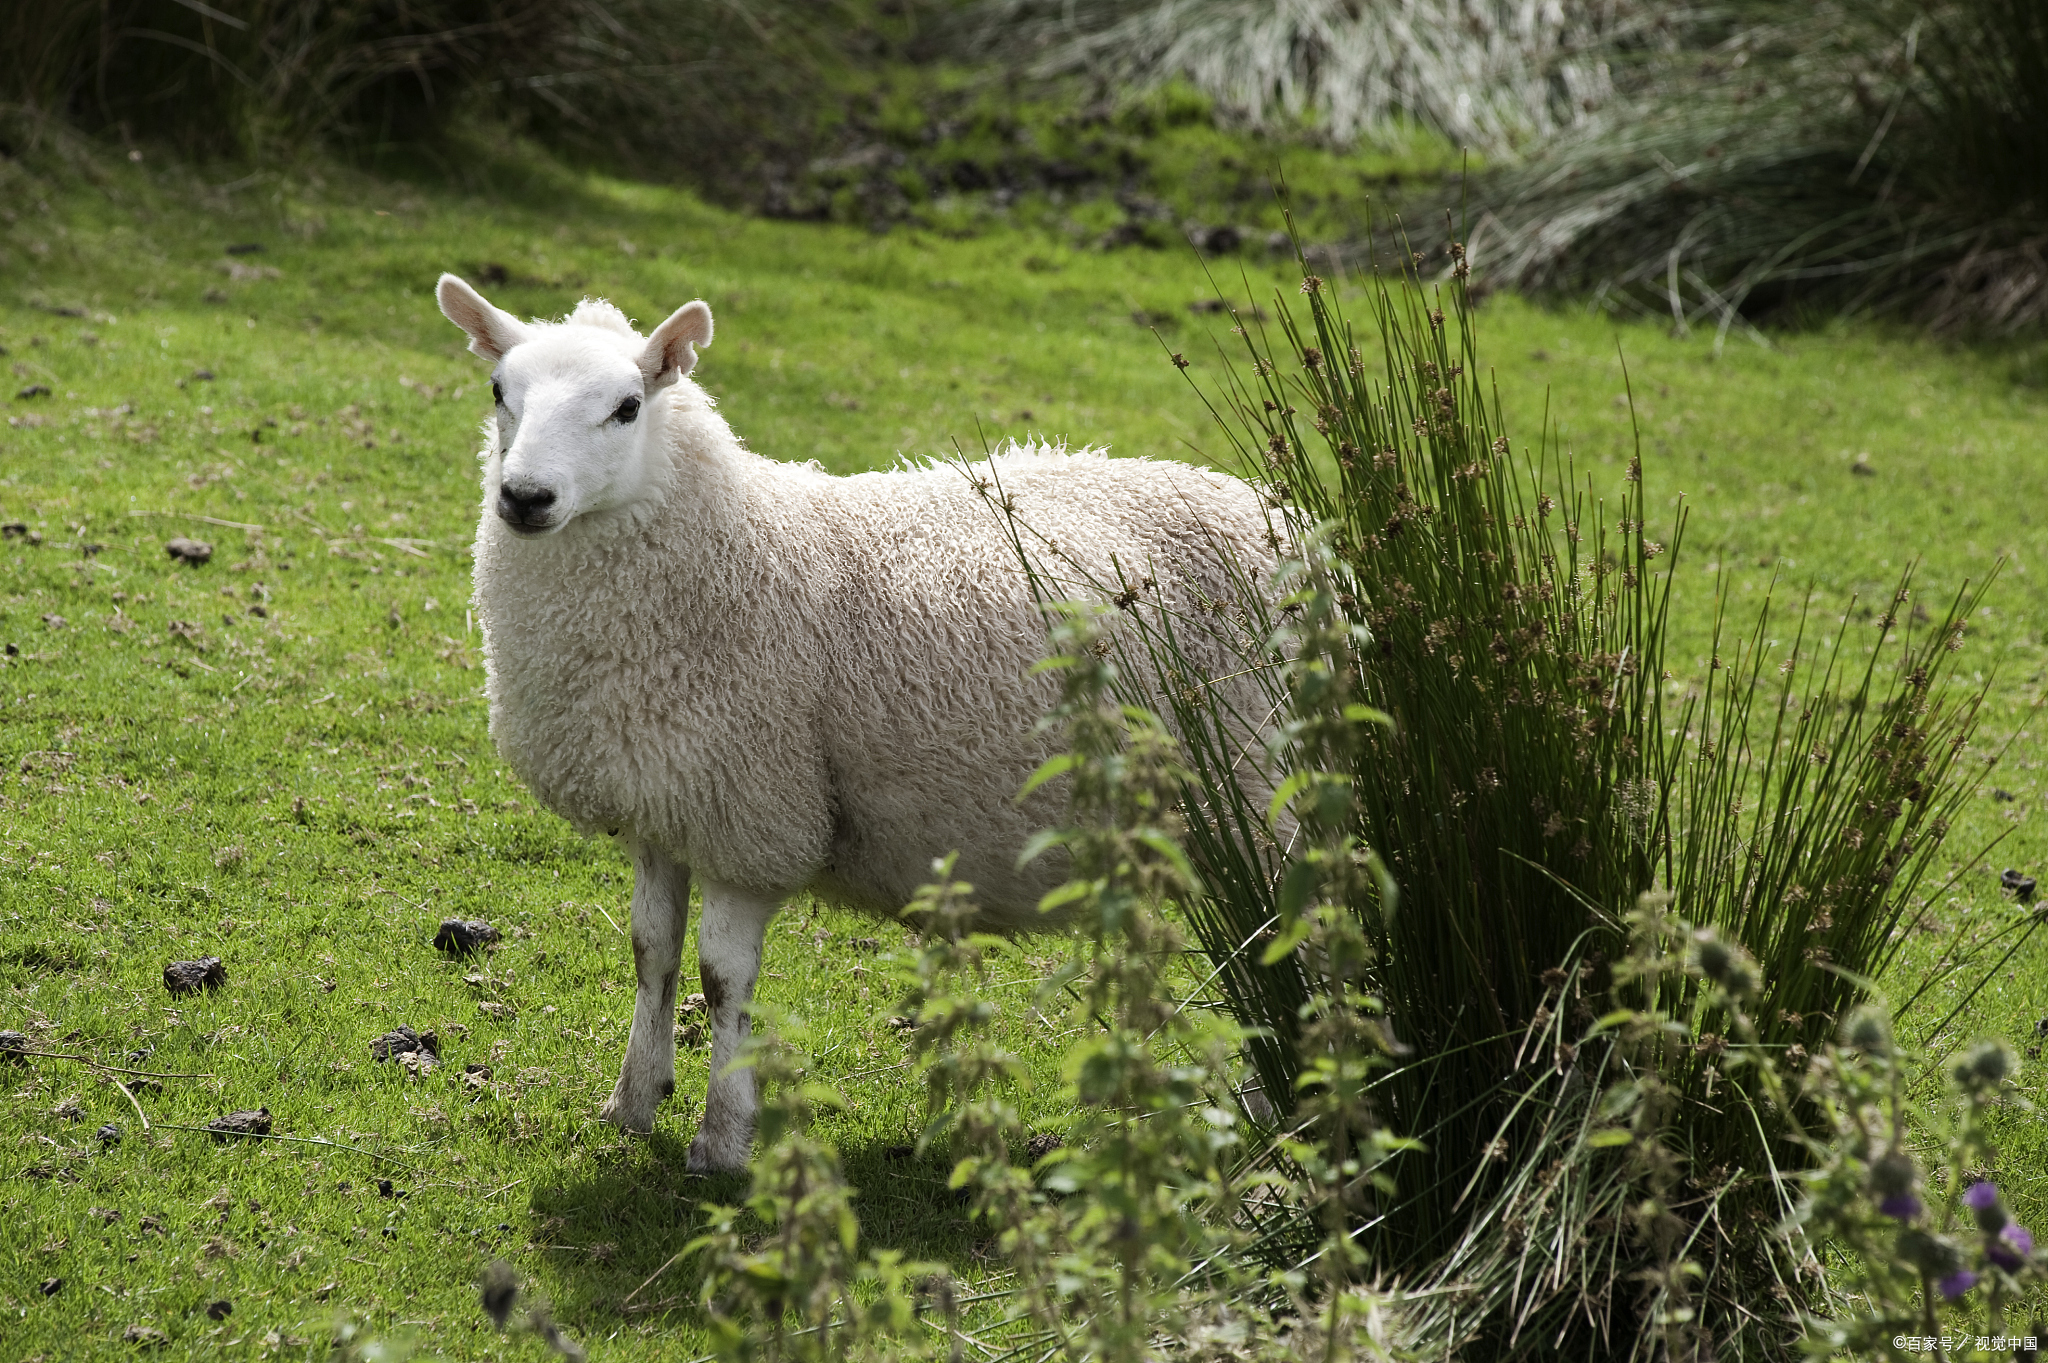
459	936
1041	1145
219	1310
189	977
51	1286
2022	886
145	1337
424	1048
109	1134
13	1048
194	552
255	1123
34	390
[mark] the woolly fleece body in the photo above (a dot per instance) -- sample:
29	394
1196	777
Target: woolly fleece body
777	679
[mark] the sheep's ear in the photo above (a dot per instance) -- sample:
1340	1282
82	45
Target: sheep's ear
672	349
492	331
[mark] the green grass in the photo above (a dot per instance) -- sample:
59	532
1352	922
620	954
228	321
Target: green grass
152	777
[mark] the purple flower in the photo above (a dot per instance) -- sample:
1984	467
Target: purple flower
2013	1247
1981	1197
1957	1283
1904	1206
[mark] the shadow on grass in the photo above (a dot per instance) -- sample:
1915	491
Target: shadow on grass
604	1236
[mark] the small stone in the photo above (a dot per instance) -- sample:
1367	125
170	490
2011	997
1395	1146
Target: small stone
460	936
405	1041
1041	1145
14	1048
189	977
219	1310
256	1123
194	552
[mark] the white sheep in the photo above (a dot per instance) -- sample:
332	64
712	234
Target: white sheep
768	676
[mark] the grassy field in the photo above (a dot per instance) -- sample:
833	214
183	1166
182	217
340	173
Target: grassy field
280	758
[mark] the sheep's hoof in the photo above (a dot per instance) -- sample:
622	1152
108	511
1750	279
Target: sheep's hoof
709	1157
628	1116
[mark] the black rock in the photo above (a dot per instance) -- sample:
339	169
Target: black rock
2022	886
405	1041
14	1048
109	1134
255	1123
189	977
194	552
460	936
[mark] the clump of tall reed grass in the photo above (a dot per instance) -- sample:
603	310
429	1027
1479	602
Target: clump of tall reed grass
1884	157
1491	75
1535	775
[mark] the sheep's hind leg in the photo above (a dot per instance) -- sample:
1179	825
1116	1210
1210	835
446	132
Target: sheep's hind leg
729	959
661	909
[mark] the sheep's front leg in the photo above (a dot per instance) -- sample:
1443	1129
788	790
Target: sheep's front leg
729	959
661	910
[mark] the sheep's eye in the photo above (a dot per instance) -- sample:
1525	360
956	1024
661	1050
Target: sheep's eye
497	393
628	409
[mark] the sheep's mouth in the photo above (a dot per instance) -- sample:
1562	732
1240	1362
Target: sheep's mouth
531	529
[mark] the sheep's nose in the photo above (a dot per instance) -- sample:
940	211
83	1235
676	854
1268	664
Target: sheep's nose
525	505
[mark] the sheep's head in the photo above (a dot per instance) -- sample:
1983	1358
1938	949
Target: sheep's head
569	438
